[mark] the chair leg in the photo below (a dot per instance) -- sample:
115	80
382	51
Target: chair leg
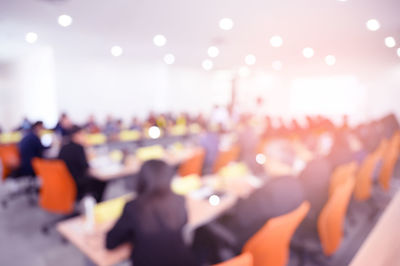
31	190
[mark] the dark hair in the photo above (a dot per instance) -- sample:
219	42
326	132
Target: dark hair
37	124
154	178
73	130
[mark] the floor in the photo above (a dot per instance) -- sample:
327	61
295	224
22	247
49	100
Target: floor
23	243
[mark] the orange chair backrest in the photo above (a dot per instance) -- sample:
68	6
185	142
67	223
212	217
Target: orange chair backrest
363	187
193	165
261	145
9	157
58	190
332	217
225	157
244	259
270	246
341	174
389	161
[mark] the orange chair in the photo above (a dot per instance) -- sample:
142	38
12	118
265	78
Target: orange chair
9	157
193	165
389	161
225	157
332	217
341	174
270	245
245	259
58	189
363	187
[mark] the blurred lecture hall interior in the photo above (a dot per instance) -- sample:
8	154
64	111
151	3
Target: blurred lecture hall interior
199	133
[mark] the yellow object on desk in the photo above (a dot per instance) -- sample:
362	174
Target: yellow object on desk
185	185
177	146
11	137
178	130
96	139
129	135
194	128
151	152
110	210
116	156
234	170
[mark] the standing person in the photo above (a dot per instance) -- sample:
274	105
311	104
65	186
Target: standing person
209	141
154	221
73	154
29	148
248	142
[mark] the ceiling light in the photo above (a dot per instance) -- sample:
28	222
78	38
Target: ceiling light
330	60
159	40
226	24
276	41
308	52
213	51
250	59
390	42
31	37
169	59
244	72
116	51
207	64
65	20
373	25
277	65
398	52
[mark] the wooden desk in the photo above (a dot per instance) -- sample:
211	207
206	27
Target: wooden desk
133	165
93	245
200	212
381	248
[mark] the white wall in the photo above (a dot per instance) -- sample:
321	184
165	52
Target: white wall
27	88
124	89
42	84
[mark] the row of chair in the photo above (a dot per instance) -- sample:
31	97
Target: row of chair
194	165
271	244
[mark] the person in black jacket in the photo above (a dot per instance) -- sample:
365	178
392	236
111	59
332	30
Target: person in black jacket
74	156
154	221
29	148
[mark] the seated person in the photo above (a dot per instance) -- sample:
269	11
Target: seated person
154	221
91	125
315	180
64	125
29	148
277	197
73	154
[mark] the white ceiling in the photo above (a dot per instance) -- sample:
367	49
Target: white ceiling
329	26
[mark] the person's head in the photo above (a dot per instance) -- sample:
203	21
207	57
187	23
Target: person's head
77	135
154	178
37	127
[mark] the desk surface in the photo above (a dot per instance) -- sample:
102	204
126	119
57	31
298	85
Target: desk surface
200	212
132	166
381	246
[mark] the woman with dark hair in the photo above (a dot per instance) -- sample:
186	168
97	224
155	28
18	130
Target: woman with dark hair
154	221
